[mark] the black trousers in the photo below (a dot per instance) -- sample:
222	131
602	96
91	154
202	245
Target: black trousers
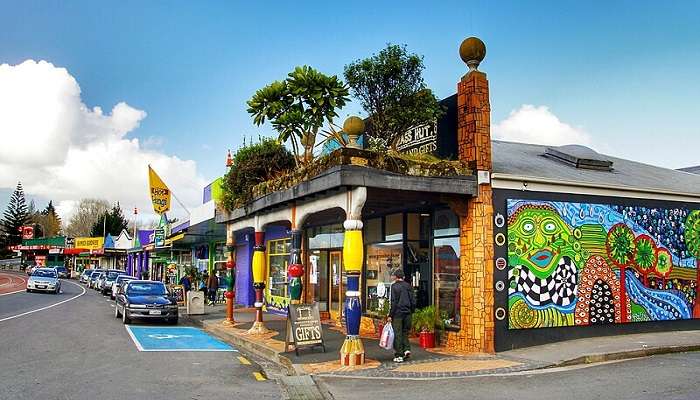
402	326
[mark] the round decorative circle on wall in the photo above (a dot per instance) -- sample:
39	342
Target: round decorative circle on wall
500	286
499	220
501	263
500	239
500	313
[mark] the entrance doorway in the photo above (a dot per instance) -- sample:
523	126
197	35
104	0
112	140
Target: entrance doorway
329	283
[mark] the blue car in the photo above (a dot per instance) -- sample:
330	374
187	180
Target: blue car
141	299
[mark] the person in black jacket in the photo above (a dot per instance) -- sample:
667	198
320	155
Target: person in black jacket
403	304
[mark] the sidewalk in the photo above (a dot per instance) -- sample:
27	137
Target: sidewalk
433	363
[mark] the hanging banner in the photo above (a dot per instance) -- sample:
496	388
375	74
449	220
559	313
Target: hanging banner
160	194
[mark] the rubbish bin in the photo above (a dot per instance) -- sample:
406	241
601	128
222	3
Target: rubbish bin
195	302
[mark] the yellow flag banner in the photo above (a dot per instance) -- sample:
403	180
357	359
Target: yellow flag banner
160	194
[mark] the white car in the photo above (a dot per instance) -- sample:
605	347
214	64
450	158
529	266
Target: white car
44	279
119	283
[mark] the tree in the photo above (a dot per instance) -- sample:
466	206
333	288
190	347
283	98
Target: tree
88	212
664	265
692	242
645	255
299	106
620	248
47	221
15	216
254	163
390	88
112	222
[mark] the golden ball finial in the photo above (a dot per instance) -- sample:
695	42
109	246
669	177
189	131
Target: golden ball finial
472	51
354	126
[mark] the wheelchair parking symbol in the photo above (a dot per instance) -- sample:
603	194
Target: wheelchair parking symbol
163	338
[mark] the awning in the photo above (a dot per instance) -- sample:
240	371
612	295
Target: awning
74	251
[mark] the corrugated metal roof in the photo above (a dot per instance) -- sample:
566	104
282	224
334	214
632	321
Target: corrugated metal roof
528	160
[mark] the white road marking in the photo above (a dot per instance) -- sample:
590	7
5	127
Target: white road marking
47	307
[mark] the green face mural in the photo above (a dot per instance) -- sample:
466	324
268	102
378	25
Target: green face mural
538	238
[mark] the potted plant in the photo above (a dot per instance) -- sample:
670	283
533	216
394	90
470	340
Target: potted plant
381	314
425	321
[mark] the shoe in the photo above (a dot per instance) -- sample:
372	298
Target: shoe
406	354
398	359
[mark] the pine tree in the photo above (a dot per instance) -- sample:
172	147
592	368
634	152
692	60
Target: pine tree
112	222
15	216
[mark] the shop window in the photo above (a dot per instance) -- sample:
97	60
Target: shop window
446	279
445	223
382	258
417	226
277	261
373	230
394	227
220	257
326	237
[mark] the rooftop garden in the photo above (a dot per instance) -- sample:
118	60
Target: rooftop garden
303	109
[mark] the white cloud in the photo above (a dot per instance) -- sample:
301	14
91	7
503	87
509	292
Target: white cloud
63	150
538	125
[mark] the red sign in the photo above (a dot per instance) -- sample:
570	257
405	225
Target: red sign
27	232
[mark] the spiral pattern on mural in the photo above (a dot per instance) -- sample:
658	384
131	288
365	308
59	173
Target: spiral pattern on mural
523	317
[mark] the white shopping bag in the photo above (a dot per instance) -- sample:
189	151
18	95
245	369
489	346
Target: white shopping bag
386	340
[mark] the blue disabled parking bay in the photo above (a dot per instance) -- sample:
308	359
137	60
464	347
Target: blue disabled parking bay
162	338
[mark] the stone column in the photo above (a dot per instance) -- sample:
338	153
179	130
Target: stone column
258	266
295	268
476	223
352	352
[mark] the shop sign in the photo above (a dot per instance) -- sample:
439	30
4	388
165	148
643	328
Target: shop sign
304	326
89	243
159	237
160	194
55	251
421	139
70	242
178	292
27	232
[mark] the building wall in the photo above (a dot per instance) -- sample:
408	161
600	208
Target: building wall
560	260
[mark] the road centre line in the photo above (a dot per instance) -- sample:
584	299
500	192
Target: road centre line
46	307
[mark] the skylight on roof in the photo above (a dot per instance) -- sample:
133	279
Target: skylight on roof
579	157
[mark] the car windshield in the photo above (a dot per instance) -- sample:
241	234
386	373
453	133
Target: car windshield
112	276
44	273
61	268
146	289
95	275
125	279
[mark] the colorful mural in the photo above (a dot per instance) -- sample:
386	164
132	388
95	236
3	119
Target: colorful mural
566	262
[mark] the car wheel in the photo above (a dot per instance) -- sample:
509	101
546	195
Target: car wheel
116	311
29	291
125	319
172	321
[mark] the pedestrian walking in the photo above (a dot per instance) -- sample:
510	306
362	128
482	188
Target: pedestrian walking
186	284
403	304
213	287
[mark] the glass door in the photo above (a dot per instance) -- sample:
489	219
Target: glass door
336	284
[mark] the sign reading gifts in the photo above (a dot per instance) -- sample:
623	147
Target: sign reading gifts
160	194
89	243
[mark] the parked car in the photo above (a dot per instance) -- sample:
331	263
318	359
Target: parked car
85	276
145	300
119	283
63	272
44	279
93	277
105	285
99	280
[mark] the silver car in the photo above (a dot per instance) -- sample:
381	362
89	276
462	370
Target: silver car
44	279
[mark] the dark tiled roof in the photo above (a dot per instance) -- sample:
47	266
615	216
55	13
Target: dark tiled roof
528	160
692	170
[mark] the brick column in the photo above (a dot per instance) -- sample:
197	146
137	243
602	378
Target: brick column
476	219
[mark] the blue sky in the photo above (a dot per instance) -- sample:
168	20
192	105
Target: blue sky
623	73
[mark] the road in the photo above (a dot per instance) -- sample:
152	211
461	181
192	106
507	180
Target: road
667	377
77	350
12	282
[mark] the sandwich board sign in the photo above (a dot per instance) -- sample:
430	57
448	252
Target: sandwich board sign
304	327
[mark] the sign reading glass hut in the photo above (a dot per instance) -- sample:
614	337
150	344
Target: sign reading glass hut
438	138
